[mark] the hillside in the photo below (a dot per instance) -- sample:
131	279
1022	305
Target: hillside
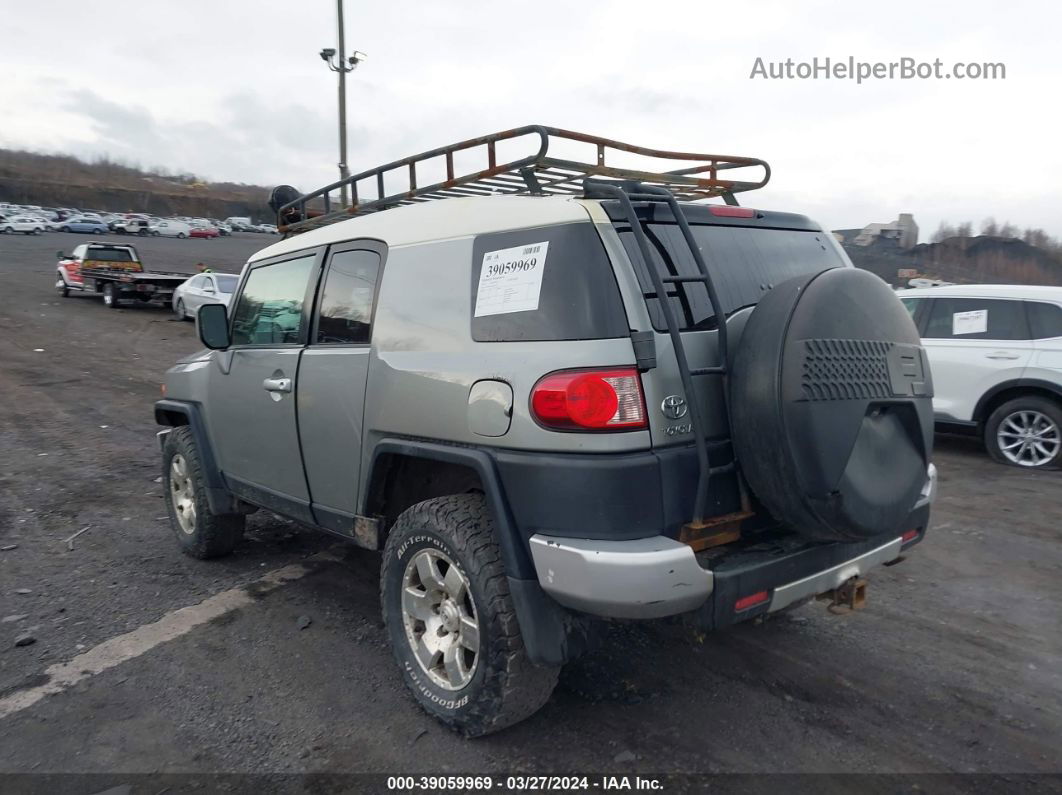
65	181
964	260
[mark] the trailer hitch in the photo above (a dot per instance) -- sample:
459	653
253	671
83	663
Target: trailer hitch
850	595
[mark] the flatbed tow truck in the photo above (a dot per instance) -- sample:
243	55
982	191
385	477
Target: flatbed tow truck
114	271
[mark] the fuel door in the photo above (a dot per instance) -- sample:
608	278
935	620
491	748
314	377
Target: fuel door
490	408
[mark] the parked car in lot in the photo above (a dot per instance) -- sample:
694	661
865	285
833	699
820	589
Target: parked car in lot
203	231
238	223
996	355
205	288
170	228
521	401
22	223
133	226
83	224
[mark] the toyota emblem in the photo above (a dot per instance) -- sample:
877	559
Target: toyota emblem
674	407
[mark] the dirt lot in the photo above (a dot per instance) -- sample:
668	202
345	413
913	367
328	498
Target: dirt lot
954	667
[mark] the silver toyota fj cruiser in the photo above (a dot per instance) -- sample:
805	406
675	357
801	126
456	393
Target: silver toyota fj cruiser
571	391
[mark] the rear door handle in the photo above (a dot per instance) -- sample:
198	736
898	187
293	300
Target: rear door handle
1001	355
277	385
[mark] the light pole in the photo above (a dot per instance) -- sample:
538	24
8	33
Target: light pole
340	64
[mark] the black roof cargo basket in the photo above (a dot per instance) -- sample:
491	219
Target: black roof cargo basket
542	172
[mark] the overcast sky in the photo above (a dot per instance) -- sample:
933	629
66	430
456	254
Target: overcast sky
235	90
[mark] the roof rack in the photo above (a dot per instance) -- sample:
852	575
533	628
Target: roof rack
537	173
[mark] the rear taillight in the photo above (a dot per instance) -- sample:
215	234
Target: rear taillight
910	535
590	400
729	211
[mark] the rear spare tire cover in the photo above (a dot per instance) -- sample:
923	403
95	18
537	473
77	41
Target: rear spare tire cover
831	405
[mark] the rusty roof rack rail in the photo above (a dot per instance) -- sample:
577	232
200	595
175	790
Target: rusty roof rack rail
538	173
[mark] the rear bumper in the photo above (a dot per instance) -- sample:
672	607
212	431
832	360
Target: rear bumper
658	576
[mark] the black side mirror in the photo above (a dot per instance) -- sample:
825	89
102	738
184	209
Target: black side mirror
212	322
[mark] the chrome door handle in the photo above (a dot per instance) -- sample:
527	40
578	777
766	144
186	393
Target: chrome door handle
277	385
1001	355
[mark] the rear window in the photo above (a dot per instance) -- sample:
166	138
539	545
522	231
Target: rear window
547	283
744	263
109	255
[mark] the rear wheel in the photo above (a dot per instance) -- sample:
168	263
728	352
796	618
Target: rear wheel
64	228
451	620
110	295
181	235
1026	432
200	533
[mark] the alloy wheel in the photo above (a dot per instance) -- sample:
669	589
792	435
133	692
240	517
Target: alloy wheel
440	619
1029	438
182	493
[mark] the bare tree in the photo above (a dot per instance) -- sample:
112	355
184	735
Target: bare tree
944	231
989	227
965	229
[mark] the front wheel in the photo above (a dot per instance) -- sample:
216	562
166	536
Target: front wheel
181	235
60	286
200	533
178	309
1026	432
64	228
9	230
451	621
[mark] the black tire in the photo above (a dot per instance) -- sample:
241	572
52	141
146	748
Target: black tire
110	296
60	285
181	235
178	309
505	687
1030	403
10	230
211	535
64	228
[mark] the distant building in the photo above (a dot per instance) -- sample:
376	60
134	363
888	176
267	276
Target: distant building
904	231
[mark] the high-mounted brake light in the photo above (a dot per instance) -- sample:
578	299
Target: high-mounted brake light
729	211
590	400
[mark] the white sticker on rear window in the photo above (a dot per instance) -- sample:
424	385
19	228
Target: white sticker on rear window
510	279
975	322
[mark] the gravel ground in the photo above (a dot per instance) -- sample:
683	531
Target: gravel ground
954	667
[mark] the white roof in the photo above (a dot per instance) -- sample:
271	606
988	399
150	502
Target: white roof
1026	291
439	220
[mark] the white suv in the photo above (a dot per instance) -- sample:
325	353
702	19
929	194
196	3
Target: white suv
996	356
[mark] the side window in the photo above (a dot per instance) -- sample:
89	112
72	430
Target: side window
1045	319
977	319
547	283
269	311
345	316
